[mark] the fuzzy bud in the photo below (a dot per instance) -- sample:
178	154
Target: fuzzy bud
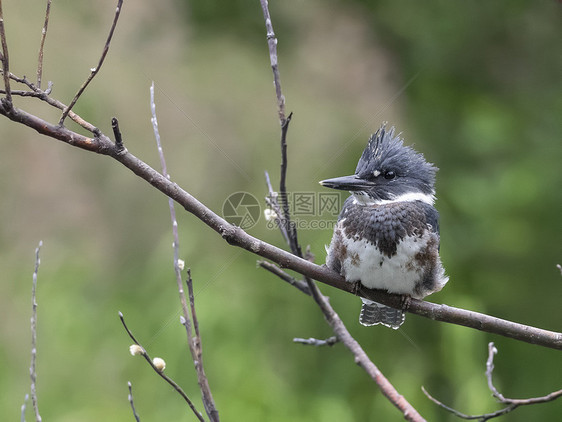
159	363
269	214
181	264
135	350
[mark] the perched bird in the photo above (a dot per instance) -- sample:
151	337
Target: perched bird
387	234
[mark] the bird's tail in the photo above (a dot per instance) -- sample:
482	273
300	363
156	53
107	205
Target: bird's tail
373	313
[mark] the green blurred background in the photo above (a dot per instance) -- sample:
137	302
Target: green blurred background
476	86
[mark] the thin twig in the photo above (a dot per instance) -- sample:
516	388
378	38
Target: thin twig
511	404
94	71
189	283
44	96
42	44
23	407
286	220
5	60
32	367
131	402
272	200
20	93
117	133
272	268
272	44
342	334
460	414
490	370
196	349
194	341
159	371
330	341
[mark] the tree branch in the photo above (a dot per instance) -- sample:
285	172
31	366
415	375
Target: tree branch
160	371
23	408
272	44
274	269
101	144
4	57
289	230
131	402
32	368
512	404
189	320
330	341
237	237
42	44
94	71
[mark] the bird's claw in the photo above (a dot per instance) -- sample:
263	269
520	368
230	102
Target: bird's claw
356	287
405	302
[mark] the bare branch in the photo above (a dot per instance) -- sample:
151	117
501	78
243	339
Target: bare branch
194	341
512	404
32	368
489	371
460	414
330	341
159	371
117	133
235	236
44	96
130	398
272	200
286	220
101	144
272	268
94	71
197	353
290	231
23	407
189	283
272	43
4	57
42	44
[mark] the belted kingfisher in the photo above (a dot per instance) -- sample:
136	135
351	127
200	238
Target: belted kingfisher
387	234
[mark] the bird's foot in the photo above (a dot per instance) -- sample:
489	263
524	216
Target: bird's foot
405	302
356	287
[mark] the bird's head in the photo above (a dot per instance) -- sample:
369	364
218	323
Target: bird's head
388	171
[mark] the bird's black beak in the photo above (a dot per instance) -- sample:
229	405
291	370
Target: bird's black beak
349	183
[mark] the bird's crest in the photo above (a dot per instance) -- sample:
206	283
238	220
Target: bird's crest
386	151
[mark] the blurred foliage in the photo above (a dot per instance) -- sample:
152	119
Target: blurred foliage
474	85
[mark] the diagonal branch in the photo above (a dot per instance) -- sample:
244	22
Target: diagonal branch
42	44
274	269
511	404
94	71
101	144
158	370
131	401
272	44
189	320
237	237
4	57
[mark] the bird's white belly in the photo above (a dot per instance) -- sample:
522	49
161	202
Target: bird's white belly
397	274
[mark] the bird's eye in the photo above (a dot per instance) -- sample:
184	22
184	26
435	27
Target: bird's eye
389	175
